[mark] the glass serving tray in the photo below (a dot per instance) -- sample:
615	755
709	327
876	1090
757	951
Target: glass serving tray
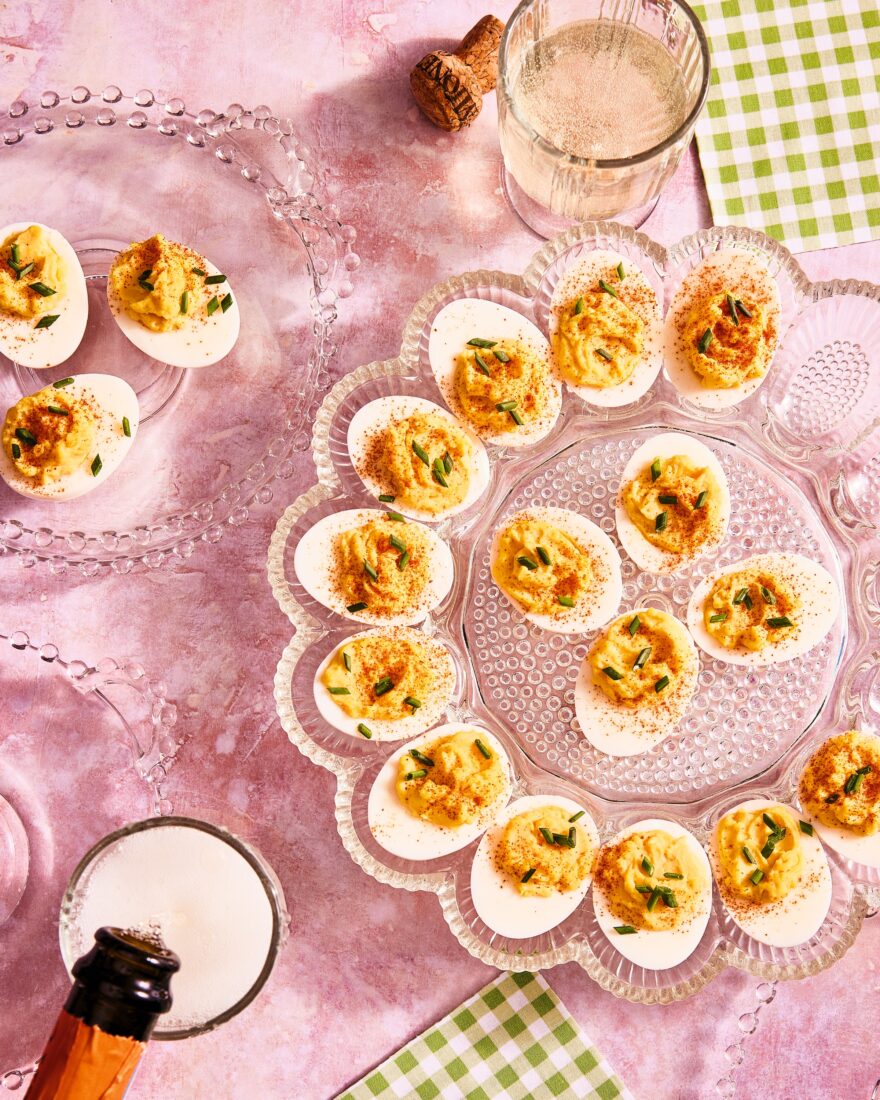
798	455
106	169
55	803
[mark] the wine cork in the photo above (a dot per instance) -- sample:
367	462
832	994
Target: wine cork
449	87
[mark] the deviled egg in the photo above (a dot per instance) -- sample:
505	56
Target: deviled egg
722	328
636	683
534	866
558	568
673	504
606	330
652	893
492	366
172	303
44	304
772	872
65	440
840	793
374	567
411	453
439	792
765	609
385	684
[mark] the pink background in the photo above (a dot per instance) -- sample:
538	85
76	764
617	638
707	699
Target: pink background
366	966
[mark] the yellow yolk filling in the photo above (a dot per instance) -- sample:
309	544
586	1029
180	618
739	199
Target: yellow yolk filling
401	575
31	246
457	786
519	380
745	608
522	571
150	279
625	672
62	441
683	486
780	861
396	458
736	353
602	344
840	785
632	876
360	686
523	852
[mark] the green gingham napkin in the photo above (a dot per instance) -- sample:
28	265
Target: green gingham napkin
513	1039
790	138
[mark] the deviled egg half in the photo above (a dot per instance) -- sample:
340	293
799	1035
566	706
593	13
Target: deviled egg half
172	303
534	866
558	568
606	330
411	453
673	504
374	567
492	366
385	684
439	792
721	329
772	872
636	682
840	794
765	609
652	893
65	440
44	304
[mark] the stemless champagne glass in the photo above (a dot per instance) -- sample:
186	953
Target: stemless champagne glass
597	101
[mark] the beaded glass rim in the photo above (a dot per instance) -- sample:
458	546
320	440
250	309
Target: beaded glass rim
328	244
854	701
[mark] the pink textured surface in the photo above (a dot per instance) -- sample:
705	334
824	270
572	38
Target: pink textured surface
366	966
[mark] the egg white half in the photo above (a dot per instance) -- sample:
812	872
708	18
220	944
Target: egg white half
466	318
621	731
862	849
820	606
798	916
114	399
409	725
745	274
40	348
647	556
584	277
658	950
496	899
409	837
313	564
376	415
602	598
201	340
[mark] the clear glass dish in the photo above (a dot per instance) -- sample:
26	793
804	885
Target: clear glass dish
106	169
517	680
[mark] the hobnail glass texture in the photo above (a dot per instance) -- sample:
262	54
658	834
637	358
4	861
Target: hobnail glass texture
747	734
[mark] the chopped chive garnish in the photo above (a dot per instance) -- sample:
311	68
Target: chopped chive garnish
359	606
411	701
184	301
661	521
865	770
579	307
22	271
370	570
572	837
386	498
644	889
364	731
747	855
397	542
741	596
126	427
612	673
62	382
565	601
770	823
655	469
577	816
767	850
668	498
634	626
14	254
621	274
528	562
41	289
482	750
669	898
48	321
756	876
213	306
501	355
403	561
731	305
672	874
779	620
546	834
855	781
339	691
528	874
653	899
225	302
16	451
515	417
606	355
396	516
705	340
481	363
662	683
419	773
438	472
421	758
721	617
831	799
57	410
198	271
642	658
144	285
561	839
647	866
806	827
346	660
478	342
543	554
743	309
506	406
96	465
420	452
701	499
448	464
624	929
383	686
767	595
213	280
28	438
608	289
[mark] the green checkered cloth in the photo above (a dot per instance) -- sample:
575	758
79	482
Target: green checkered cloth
790	138
513	1039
